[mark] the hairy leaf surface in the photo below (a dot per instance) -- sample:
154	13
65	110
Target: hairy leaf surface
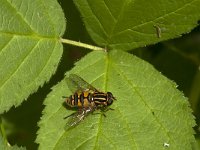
149	113
30	49
130	24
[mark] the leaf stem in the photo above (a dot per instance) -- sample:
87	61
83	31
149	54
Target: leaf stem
79	44
2	131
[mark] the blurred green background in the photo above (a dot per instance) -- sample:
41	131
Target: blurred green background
177	59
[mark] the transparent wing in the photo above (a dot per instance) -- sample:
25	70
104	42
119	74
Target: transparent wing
77	117
76	83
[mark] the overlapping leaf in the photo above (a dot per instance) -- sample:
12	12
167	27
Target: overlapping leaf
29	47
130	24
149	113
4	146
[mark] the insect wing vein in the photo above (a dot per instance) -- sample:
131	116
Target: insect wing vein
77	84
75	119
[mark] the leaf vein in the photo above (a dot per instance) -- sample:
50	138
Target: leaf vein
6	44
44	65
128	128
143	100
17	68
103	28
98	131
153	21
109	10
22	18
49	18
120	13
78	146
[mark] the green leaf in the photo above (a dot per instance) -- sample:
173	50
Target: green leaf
130	24
197	144
7	147
149	111
4	146
30	49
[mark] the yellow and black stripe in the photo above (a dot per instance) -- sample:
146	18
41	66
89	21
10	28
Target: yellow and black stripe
90	99
100	99
82	99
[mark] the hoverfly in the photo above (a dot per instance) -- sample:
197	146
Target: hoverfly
86	98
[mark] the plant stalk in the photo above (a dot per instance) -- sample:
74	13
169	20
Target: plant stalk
2	132
79	44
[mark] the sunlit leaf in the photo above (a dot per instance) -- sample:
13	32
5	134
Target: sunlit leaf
30	49
149	113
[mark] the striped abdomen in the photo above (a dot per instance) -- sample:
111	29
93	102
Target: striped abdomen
84	99
90	99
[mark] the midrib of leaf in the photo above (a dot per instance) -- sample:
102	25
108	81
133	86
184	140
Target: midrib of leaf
116	20
107	66
33	35
50	116
64	133
157	121
133	87
153	21
98	131
99	127
27	29
111	35
100	118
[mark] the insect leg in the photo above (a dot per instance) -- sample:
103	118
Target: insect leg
105	109
70	115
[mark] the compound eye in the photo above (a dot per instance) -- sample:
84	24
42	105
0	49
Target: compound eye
110	101
110	96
